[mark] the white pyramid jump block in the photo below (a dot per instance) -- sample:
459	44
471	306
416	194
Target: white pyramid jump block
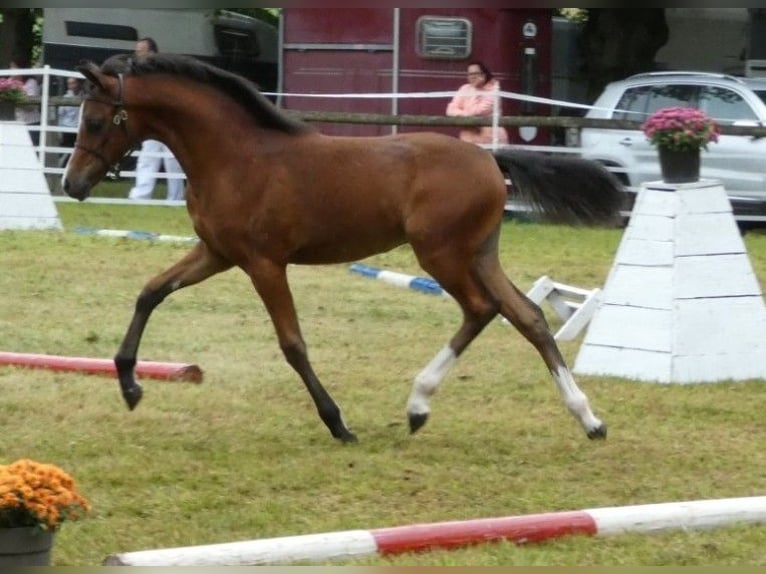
652	227
681	303
706	234
738	321
655	290
723	276
629	363
699	198
646	252
25	199
626	327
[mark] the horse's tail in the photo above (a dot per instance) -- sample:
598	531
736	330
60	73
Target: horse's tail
563	189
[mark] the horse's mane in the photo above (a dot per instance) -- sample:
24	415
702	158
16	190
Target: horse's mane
238	88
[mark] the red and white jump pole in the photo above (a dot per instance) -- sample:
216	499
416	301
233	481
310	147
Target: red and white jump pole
688	515
144	369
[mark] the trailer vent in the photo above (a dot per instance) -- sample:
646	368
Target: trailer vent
448	38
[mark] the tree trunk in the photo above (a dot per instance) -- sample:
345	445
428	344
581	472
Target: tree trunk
616	43
16	34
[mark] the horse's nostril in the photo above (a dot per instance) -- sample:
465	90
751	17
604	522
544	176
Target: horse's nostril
65	184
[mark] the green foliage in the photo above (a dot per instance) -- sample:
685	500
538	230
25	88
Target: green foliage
244	455
37	36
270	15
574	14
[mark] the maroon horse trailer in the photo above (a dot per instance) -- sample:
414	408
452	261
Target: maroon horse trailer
366	51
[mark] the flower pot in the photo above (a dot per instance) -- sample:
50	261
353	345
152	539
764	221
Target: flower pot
7	111
679	166
25	546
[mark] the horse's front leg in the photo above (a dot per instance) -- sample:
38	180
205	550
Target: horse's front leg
199	264
270	280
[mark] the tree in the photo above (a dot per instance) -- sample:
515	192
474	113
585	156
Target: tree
616	43
270	15
18	33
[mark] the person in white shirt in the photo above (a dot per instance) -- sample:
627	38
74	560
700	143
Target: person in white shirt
150	159
69	117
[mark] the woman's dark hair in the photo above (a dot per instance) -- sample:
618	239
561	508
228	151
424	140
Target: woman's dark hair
488	75
152	43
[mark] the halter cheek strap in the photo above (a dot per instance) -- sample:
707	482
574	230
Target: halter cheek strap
120	118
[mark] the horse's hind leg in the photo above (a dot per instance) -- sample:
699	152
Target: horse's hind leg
199	264
270	280
478	311
528	318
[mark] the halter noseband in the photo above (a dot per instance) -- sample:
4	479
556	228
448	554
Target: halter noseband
120	118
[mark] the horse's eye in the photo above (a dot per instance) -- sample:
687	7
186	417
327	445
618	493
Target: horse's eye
93	125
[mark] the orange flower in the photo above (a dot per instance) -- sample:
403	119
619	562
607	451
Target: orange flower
37	494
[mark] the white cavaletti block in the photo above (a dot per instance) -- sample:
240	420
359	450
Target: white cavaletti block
25	200
681	303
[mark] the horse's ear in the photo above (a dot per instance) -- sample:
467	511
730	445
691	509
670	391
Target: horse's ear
91	73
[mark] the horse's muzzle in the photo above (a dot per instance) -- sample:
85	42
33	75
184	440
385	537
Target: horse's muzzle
79	191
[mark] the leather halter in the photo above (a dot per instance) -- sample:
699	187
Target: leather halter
120	118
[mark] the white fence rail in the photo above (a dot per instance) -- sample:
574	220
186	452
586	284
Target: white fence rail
51	152
49	149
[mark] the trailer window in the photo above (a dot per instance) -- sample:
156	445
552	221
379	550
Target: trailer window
448	38
236	43
103	31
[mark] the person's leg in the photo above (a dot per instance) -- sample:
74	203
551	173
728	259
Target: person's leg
146	167
67	141
175	185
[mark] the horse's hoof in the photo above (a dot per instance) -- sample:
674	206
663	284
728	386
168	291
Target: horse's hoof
417	420
347	437
133	396
597	433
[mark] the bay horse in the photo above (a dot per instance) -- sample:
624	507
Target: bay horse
265	190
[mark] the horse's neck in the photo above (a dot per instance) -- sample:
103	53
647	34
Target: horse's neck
196	129
201	126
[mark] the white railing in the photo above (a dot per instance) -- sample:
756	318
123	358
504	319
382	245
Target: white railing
48	127
49	154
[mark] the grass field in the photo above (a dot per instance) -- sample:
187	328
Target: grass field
244	456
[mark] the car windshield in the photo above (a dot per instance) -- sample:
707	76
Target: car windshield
761	94
722	103
725	105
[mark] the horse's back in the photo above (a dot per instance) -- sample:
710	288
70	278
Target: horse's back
457	180
451	193
441	164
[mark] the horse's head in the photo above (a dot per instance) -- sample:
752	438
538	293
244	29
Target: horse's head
102	139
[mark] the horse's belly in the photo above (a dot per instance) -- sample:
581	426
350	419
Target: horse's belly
345	250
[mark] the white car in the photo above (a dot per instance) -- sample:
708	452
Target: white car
739	162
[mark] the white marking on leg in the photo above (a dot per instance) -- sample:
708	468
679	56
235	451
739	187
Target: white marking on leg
575	400
64	175
428	381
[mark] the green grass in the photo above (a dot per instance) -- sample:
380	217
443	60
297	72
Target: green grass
244	455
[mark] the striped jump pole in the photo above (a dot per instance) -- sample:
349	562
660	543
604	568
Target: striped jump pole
422	284
144	369
132	234
696	514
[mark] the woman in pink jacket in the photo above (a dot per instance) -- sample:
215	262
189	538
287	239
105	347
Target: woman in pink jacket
475	99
